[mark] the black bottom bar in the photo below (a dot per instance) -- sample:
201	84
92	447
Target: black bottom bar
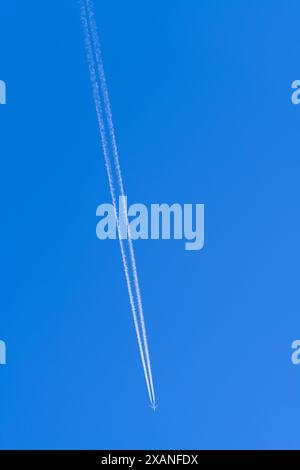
134	459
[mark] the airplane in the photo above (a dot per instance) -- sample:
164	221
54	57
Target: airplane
154	406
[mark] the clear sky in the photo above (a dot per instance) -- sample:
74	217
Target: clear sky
200	93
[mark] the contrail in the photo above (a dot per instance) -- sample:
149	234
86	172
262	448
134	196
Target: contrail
97	48
113	166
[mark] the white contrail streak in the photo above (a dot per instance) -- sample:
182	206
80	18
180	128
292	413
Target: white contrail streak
111	167
97	48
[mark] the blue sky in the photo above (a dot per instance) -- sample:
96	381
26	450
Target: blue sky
200	93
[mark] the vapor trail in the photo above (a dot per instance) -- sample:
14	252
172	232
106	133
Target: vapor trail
129	268
98	55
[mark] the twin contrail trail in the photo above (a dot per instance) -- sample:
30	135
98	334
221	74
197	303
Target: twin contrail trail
112	164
